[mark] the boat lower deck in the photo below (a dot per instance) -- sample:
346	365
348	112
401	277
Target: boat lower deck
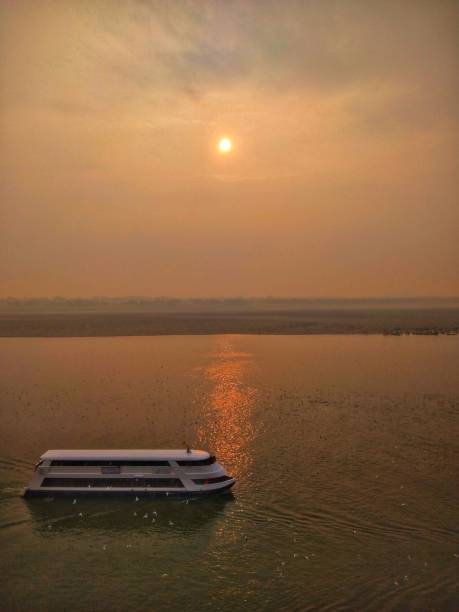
123	492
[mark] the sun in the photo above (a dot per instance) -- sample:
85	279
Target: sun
225	145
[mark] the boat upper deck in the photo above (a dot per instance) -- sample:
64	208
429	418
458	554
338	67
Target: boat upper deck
125	455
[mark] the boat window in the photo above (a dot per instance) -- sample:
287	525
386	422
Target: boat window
211	480
153	483
111	469
190	462
107	462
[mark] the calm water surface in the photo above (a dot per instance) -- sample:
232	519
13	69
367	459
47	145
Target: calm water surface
344	447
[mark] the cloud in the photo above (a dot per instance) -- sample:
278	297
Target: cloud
115	56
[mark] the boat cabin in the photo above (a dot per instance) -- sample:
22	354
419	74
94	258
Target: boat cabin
72	472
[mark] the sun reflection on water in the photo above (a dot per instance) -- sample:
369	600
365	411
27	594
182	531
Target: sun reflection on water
228	426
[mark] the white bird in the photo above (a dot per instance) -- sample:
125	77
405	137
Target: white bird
74	501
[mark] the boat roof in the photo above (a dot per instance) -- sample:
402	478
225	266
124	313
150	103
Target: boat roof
120	454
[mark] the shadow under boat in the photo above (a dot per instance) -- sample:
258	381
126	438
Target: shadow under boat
182	515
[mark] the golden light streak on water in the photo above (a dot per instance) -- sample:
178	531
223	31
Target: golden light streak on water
229	407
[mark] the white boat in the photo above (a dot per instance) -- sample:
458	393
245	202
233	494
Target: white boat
138	472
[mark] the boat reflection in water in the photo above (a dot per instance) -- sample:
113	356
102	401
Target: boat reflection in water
50	516
228	427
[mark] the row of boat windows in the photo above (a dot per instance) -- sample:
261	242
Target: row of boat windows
105	463
126	482
128	462
113	482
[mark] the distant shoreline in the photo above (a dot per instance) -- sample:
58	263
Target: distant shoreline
392	321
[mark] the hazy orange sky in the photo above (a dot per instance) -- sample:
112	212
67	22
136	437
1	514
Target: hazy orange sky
343	179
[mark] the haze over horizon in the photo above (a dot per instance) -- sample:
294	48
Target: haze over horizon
235	298
341	178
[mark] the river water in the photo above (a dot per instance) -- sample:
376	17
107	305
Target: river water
344	448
